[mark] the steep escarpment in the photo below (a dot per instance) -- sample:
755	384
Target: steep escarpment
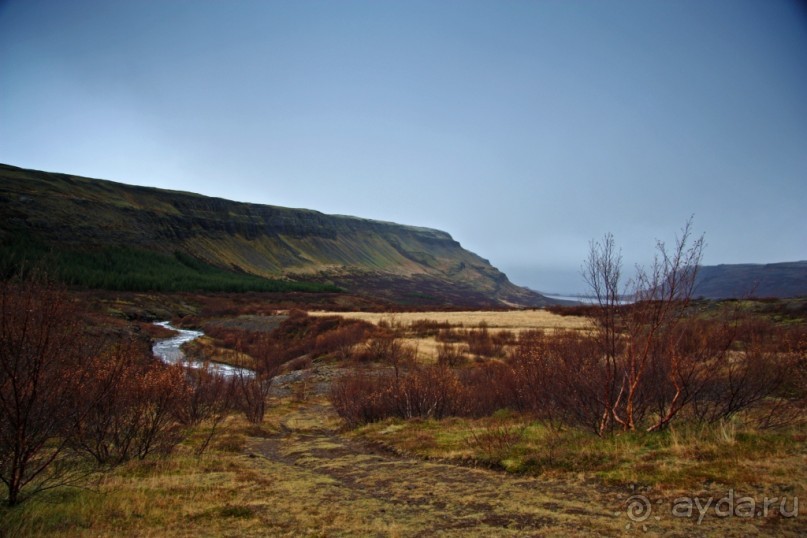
364	256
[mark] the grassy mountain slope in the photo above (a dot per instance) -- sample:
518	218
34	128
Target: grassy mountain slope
783	280
80	215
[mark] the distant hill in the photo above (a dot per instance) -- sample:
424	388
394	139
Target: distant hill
782	280
99	233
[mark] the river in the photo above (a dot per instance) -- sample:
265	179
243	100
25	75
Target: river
168	350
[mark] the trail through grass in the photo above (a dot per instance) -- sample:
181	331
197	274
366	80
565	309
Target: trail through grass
301	474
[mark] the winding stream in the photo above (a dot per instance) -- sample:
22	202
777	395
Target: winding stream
168	350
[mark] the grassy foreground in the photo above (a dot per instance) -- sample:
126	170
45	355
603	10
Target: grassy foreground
300	474
672	462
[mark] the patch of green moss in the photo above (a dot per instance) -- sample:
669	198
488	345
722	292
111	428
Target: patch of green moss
133	269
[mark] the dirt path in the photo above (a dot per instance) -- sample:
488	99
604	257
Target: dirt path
319	481
418	498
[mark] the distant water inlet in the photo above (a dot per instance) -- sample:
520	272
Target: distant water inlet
170	352
584	299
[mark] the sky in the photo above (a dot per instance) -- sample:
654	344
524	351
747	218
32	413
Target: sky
525	129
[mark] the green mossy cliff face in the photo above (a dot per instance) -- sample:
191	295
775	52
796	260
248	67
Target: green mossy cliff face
364	256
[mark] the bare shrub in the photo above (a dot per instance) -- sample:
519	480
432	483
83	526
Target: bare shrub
430	392
633	336
755	371
480	341
252	388
42	371
360	397
251	391
433	392
559	377
299	334
450	355
488	387
209	398
708	370
341	341
504	338
427	328
387	348
139	410
209	395
539	378
451	335
660	358
482	344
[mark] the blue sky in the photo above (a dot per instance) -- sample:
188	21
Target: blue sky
523	128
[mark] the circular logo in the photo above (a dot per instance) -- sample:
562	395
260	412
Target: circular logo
638	508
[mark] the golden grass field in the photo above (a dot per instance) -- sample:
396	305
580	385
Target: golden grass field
511	320
427	347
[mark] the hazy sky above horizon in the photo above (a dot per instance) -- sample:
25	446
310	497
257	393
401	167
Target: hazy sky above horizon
523	128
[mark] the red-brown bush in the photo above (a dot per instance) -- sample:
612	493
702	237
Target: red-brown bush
139	408
431	392
43	370
709	371
298	335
